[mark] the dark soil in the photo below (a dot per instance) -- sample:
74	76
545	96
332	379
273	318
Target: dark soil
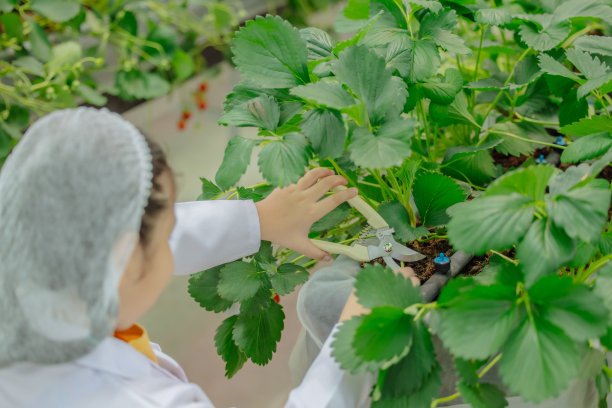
425	268
431	249
476	265
512	162
606	173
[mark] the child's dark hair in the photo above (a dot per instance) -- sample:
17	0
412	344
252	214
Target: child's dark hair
158	199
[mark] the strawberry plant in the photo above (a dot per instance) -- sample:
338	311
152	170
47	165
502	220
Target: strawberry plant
436	111
53	51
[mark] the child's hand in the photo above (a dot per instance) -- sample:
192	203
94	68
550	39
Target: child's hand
286	215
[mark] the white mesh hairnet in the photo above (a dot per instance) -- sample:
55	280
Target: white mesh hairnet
72	196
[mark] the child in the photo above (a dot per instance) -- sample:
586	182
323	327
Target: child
87	246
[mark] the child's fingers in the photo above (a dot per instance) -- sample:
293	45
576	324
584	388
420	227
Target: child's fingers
326	205
408	272
326	184
311	177
311	251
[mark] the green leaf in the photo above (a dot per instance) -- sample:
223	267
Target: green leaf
466	370
595	44
544	249
270	52
182	65
343	351
65	55
387	148
588	126
253	306
282	162
590	66
604	82
136	84
551	34
483	395
209	190
494	16
265	255
90	95
465	163
511	145
326	132
582	211
365	73
226	347
287	277
263	112
437	27
41	47
129	23
412	371
258	334
31	65
384	334
377	286
332	219
13	26
56	10
587	147
529	181
319	44
166	37
572	307
538	360
590	8
324	94
603	286
397	217
239	281
493	222
553	67
420	398
7	5
415	60
357	10
235	161
433	194
572	109
203	289
491	314
605	244
444	89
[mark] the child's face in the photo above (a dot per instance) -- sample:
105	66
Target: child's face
151	266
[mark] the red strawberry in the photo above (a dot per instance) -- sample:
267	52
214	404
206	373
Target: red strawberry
202	105
276	298
181	125
186	115
203	87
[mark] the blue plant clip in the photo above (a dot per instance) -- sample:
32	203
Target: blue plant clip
541	160
442	259
560	141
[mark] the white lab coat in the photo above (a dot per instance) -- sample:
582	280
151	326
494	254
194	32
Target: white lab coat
114	375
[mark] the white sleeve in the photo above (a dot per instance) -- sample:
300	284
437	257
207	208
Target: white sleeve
210	233
326	385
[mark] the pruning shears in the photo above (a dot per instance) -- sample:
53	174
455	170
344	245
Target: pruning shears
388	248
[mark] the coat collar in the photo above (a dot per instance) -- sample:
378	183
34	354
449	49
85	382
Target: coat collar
117	357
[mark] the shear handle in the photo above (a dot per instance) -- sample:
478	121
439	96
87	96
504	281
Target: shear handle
358	203
356	252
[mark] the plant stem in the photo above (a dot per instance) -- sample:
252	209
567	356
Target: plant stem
341	172
490	365
435	402
514	261
595	266
580	33
482	33
537	122
512	135
522	57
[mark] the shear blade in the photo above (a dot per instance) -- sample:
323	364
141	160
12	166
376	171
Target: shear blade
405	254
